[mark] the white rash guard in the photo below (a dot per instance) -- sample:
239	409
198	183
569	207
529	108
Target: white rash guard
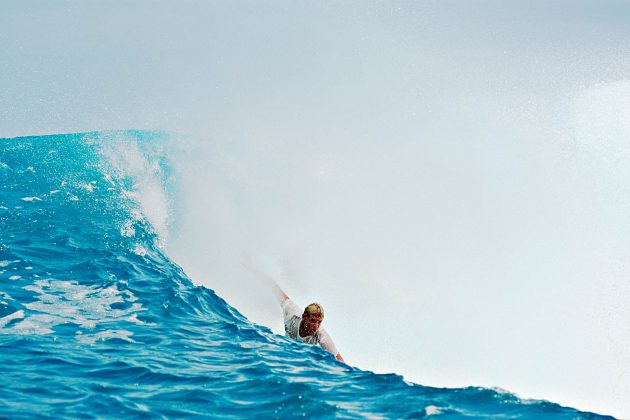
292	317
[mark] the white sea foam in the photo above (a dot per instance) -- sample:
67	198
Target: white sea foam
88	187
6	263
432	410
31	199
140	250
108	178
37	324
106	335
63	301
15	315
134	318
127	230
129	159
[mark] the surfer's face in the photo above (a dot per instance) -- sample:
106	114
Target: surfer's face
311	323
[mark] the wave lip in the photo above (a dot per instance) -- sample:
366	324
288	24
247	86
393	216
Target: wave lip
97	321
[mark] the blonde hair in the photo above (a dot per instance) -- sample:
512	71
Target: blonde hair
314	309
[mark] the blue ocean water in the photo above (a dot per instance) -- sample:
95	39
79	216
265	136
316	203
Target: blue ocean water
96	320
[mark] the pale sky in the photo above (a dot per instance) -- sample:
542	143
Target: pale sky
449	179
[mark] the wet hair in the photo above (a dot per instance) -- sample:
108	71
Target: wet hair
314	309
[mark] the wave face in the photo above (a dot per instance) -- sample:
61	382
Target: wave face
97	321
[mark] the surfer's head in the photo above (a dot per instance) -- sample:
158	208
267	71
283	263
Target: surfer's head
314	309
312	318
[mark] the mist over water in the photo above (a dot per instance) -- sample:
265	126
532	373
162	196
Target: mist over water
478	265
449	180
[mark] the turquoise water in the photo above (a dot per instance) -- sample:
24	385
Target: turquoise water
97	321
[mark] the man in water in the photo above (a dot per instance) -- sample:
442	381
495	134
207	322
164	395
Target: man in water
304	325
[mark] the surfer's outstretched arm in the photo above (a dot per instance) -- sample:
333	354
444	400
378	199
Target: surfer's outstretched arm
329	345
279	292
280	295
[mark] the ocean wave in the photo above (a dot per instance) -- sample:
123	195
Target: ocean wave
97	321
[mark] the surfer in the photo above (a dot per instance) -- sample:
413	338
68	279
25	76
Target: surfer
304	326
